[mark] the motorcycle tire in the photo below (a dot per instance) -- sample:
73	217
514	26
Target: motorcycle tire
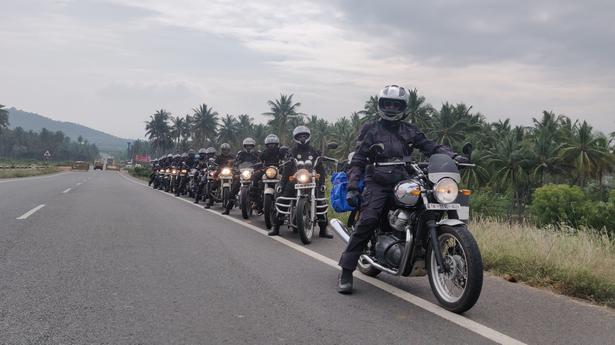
268	210
226	196
473	268
245	202
305	225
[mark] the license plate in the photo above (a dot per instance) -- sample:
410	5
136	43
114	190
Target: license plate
305	185
443	206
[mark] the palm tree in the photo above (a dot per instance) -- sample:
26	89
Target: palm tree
283	110
510	163
228	131
204	124
245	126
178	125
345	136
451	124
584	151
418	111
320	131
4	118
370	109
158	131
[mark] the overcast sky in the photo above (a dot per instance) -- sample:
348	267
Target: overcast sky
111	64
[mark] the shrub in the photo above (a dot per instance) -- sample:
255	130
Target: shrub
558	204
485	203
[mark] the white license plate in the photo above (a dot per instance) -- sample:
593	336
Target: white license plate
443	206
305	185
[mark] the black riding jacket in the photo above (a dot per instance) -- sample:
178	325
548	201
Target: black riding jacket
399	139
271	157
225	160
244	156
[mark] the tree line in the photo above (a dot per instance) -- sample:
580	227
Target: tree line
511	160
21	144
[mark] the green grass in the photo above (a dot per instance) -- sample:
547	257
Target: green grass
140	173
574	263
12	173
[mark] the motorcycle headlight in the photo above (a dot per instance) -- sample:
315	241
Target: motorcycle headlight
303	176
446	190
184	171
271	172
212	173
225	171
173	171
168	171
246	174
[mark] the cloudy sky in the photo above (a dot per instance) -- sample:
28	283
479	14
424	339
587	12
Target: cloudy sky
110	64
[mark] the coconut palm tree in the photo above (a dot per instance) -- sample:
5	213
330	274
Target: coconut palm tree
419	112
370	109
178	127
245	126
228	131
451	124
283	111
204	124
320	130
583	150
4	118
343	132
158	131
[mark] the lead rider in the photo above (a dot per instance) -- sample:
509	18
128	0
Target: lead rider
399	138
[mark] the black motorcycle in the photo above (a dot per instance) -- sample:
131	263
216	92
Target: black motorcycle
425	233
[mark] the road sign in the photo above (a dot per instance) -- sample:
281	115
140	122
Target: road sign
47	154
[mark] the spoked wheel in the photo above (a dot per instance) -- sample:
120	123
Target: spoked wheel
458	287
245	203
268	210
305	225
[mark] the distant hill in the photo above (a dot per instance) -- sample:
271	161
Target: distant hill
36	122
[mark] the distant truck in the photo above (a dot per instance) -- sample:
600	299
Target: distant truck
80	165
98	164
111	164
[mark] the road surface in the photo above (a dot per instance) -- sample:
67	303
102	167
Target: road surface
98	258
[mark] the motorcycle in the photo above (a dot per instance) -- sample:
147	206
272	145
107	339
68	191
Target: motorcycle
246	170
270	179
302	211
226	181
180	182
424	233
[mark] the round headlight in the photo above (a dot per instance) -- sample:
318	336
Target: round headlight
271	172
446	190
173	171
246	174
408	192
303	176
225	171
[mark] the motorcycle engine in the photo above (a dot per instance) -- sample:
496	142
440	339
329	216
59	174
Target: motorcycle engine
399	219
389	250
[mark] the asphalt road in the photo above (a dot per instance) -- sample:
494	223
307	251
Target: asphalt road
107	260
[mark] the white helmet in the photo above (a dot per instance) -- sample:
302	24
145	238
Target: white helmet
350	155
249	142
272	139
301	130
393	102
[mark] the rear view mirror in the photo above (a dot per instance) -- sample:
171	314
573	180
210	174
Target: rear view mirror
332	146
467	149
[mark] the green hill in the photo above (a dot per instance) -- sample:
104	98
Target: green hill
32	121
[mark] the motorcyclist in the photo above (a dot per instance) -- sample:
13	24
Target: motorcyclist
191	161
224	159
247	155
155	168
399	138
271	156
302	150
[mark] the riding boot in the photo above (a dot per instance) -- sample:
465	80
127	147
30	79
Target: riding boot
323	231
344	282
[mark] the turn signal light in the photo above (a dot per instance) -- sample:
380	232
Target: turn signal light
415	192
291	177
466	192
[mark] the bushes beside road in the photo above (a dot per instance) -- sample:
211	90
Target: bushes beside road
140	172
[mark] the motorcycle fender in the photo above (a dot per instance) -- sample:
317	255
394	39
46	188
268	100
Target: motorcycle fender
269	190
450	222
226	184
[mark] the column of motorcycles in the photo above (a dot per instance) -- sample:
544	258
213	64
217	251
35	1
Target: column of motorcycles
424	232
207	179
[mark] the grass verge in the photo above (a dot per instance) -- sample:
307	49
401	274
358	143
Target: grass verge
140	173
12	173
573	263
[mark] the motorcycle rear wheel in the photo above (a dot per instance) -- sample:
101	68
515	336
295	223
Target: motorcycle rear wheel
305	225
465	269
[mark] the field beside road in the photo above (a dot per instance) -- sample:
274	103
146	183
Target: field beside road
27	172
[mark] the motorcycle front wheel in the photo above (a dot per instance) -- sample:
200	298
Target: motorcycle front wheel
268	210
226	196
245	202
305	225
459	286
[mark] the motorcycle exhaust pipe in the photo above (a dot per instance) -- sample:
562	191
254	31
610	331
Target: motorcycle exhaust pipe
340	229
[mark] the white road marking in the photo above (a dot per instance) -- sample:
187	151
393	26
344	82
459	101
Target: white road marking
66	191
31	212
457	319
